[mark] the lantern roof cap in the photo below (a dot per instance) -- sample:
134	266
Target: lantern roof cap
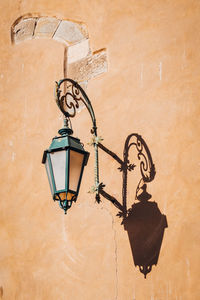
65	141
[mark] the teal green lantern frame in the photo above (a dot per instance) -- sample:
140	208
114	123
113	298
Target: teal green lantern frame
68	103
68	145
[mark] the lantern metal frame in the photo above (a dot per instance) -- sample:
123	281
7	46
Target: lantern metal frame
67	147
65	143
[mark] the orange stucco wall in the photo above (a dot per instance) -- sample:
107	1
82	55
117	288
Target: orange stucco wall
152	88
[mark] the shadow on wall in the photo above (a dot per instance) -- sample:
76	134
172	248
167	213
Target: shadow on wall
144	222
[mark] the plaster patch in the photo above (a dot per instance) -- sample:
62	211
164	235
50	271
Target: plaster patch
188	268
183	58
13	156
71	252
160	71
141	75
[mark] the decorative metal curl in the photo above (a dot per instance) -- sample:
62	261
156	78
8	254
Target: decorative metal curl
68	102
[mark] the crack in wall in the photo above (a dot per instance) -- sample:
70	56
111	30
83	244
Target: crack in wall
116	259
115	245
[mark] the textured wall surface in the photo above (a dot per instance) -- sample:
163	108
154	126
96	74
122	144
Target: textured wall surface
152	88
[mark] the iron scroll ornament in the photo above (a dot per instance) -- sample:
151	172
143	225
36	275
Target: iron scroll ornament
68	102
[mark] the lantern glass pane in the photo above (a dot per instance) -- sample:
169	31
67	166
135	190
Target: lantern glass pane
58	160
76	162
49	175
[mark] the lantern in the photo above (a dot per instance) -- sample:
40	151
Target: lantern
65	160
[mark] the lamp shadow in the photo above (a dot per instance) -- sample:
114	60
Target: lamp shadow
144	222
145	227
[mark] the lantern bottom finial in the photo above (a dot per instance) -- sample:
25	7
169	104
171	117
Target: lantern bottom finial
65	205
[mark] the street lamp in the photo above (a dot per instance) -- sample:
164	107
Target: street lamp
66	158
65	161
